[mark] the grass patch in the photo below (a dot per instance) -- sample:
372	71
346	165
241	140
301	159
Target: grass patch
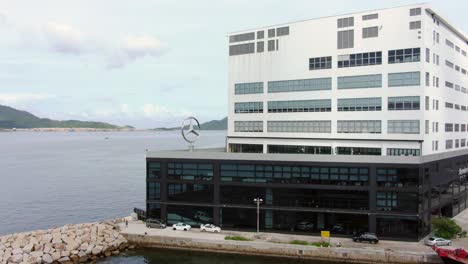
305	243
320	244
237	238
299	242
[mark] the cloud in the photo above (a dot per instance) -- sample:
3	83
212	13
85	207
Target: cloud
133	48
64	38
15	98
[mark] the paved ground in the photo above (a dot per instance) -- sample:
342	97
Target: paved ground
138	227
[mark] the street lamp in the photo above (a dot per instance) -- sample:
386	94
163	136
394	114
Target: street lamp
258	201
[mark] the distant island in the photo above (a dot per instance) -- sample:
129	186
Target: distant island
11	118
211	125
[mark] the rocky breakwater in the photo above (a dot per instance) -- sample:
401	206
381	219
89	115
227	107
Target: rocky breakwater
68	244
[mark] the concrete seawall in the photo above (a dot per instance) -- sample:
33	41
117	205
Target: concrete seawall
333	254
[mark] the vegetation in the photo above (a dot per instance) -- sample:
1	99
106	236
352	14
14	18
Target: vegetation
305	243
13	118
299	242
237	238
445	227
210	125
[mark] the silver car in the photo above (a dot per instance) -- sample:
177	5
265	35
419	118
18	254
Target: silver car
155	223
437	241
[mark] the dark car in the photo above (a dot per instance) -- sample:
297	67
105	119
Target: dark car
305	226
366	237
155	223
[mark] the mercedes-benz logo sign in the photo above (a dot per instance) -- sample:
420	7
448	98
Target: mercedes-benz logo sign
190	129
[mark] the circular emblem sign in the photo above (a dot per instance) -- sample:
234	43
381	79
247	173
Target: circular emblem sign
190	129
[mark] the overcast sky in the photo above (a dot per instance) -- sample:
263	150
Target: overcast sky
146	63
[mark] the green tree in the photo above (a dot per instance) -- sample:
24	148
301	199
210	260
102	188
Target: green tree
445	227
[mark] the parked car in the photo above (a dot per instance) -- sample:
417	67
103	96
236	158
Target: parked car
338	228
210	228
155	223
181	227
305	226
367	237
437	241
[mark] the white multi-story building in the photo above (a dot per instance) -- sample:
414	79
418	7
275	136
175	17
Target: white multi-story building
382	95
383	82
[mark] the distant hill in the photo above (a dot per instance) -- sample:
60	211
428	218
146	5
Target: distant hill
210	125
13	118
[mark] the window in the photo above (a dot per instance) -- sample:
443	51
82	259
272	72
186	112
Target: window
428	55
448	144
449	43
271	33
403	152
345	22
449	64
260	34
415	11
241	49
154	191
242	37
245	148
320	63
415	25
403	103
299	106
404	55
248	126
448	127
248	88
345	39
271	45
360	104
154	170
261	46
282	31
370	32
426	127
370	16
300	85
360	59
360	126
358	151
428	79
403	79
248	107
457	127
448	105
403	126
360	81
462	142
396	201
190	171
300	126
297	149
449	85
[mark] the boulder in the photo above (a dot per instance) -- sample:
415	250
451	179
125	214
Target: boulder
82	257
17	251
47	259
28	248
97	250
65	253
84	246
56	255
72	246
89	249
36	254
16	258
65	260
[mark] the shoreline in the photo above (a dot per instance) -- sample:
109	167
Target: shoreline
392	252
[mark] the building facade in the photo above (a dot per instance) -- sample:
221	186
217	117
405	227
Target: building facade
347	123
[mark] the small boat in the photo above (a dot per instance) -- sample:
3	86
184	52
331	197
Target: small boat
451	255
